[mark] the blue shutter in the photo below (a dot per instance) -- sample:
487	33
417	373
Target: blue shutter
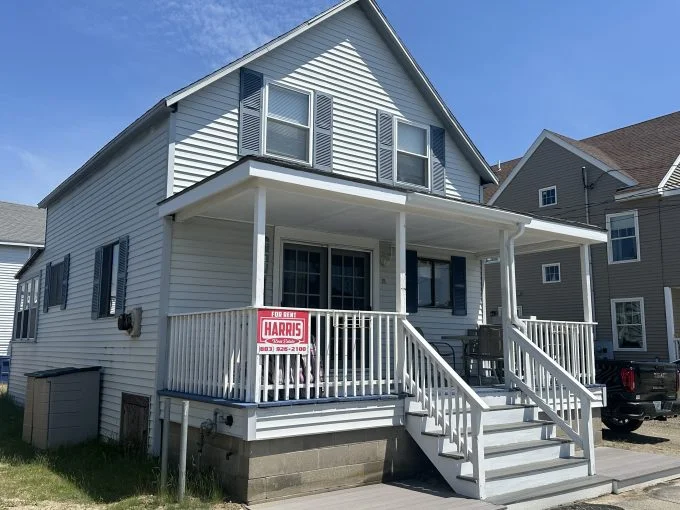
458	286
64	281
48	285
123	251
97	282
411	281
385	147
250	113
438	159
323	132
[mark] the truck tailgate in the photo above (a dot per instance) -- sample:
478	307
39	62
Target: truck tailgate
655	381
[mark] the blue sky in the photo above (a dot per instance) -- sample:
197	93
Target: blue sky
75	73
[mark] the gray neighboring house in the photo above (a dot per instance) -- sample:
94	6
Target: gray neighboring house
628	182
22	233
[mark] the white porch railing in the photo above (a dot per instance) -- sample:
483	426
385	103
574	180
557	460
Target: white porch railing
570	344
457	410
554	390
352	353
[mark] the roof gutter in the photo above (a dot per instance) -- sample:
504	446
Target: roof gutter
83	172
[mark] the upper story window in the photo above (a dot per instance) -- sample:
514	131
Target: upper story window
288	131
624	237
551	273
26	312
413	166
547	196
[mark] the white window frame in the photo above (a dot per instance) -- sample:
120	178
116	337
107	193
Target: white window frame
35	290
309	128
396	151
540	196
610	252
559	272
615	334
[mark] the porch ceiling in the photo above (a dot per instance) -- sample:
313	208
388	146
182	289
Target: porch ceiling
328	204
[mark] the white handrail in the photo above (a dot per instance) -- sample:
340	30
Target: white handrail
570	344
446	398
556	392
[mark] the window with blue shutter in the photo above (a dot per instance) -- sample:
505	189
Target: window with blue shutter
110	279
250	112
458	285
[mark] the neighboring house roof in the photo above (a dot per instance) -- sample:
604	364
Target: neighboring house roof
21	224
645	152
373	12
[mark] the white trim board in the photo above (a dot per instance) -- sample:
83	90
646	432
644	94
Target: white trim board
545	134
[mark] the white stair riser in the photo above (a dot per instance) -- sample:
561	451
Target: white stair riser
529	481
545	453
518	435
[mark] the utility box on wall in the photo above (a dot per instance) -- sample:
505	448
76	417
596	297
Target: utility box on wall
62	406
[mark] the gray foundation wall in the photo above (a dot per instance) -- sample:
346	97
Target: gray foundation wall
273	469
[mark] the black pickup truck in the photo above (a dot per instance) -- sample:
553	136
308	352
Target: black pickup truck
637	391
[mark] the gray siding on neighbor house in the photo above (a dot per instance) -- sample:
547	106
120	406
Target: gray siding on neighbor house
11	260
561	301
343	56
118	199
554	165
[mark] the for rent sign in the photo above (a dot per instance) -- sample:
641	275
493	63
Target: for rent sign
282	331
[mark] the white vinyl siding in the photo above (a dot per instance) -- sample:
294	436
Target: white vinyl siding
11	260
120	198
345	57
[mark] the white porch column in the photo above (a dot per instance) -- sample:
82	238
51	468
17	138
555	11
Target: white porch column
400	246
259	228
506	302
586	284
670	324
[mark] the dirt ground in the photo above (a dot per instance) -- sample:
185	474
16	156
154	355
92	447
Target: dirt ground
662	437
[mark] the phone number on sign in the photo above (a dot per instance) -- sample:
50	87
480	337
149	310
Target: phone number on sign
283	349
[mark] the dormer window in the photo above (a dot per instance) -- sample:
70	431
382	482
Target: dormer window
547	196
288	131
412	154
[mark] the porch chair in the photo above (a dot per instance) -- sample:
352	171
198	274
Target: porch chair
488	347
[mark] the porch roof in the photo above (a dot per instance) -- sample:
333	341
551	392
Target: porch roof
304	198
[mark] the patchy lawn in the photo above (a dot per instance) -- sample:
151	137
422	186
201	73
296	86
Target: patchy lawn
661	437
89	476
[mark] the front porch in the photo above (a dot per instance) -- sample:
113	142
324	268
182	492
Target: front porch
265	238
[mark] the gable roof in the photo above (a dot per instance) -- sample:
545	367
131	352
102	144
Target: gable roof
21	224
641	155
376	16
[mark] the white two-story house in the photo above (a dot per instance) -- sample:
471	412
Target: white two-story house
288	234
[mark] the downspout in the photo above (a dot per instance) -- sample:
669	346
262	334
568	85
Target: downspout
516	320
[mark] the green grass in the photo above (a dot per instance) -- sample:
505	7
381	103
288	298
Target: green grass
95	474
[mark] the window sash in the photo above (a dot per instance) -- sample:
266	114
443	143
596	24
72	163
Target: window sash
628	318
26	313
424	157
437	287
55	297
286	121
109	280
552	273
619	247
547	196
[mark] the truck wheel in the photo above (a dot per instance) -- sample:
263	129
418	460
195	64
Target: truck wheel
622	424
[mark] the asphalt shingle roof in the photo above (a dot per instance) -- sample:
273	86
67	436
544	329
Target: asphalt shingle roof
644	151
21	223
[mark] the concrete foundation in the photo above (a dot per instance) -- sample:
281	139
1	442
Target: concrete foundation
279	468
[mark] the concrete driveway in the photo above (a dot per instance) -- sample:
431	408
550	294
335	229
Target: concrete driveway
664	496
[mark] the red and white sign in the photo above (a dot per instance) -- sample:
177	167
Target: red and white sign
282	331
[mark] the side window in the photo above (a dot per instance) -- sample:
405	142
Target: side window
624	237
551	273
110	279
413	163
26	309
547	196
56	284
628	322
